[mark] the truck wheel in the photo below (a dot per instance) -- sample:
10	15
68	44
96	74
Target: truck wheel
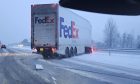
71	51
67	53
75	51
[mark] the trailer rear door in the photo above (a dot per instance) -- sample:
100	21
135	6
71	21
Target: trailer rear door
45	29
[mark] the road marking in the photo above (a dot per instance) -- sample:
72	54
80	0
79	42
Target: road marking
54	80
89	75
82	73
100	67
87	64
52	63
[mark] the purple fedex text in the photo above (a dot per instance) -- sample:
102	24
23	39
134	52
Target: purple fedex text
68	31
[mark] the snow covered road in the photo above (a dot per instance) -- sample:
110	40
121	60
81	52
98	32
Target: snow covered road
125	58
97	67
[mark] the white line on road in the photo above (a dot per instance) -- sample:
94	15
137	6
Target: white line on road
100	67
90	75
92	65
82	73
54	80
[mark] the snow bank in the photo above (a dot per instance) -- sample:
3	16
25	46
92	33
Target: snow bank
125	60
27	48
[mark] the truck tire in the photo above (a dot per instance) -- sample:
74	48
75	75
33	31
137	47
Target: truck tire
71	51
75	51
67	52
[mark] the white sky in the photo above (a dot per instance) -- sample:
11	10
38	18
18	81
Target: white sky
15	21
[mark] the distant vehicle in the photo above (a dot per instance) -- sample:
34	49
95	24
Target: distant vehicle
3	46
57	30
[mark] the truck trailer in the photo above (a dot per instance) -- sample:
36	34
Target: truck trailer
56	30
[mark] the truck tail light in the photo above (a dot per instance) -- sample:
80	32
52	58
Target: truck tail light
54	50
93	50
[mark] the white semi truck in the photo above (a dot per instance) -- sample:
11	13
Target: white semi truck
57	30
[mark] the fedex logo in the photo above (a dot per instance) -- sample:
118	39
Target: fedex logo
46	19
68	31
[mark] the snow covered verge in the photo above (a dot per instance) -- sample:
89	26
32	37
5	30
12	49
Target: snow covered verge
25	48
124	60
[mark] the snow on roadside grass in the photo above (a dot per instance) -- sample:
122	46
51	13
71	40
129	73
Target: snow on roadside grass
28	48
125	60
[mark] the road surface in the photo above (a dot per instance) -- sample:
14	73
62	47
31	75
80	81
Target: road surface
13	73
64	71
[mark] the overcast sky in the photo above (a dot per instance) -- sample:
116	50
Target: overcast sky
15	21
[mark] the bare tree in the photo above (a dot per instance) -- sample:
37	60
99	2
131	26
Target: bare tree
130	39
124	40
138	42
118	41
111	34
